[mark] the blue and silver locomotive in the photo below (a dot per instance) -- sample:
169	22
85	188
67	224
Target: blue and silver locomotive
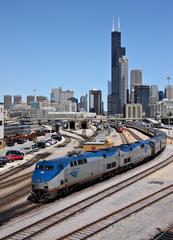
52	178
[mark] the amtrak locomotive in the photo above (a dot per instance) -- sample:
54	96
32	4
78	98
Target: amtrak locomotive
52	178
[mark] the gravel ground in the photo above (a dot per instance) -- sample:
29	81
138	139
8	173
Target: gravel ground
112	203
143	225
141	135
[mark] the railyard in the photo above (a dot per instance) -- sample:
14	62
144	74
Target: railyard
143	223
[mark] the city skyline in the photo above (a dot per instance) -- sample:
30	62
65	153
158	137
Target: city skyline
50	44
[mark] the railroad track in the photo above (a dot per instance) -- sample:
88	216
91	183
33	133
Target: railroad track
8	199
36	228
17	210
134	134
116	216
15	180
164	235
123	138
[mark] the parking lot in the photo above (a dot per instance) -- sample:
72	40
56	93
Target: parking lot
28	149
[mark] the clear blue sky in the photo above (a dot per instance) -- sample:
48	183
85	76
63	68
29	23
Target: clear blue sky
51	43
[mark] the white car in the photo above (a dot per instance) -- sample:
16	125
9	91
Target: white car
26	150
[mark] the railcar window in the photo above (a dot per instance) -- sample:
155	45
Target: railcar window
49	168
114	164
109	165
80	162
85	160
104	155
71	164
40	167
75	163
127	160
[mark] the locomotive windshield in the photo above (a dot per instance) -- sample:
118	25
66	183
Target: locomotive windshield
39	167
44	167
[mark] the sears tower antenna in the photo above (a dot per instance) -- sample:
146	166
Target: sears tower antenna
119	30
113	29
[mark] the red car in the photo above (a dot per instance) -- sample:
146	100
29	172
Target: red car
13	155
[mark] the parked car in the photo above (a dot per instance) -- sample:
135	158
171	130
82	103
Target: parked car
53	141
35	148
56	136
3	161
41	144
13	155
26	150
48	143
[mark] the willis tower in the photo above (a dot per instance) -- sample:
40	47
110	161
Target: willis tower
114	99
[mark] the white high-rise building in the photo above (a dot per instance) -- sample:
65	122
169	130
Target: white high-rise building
60	96
65	95
154	94
56	95
60	99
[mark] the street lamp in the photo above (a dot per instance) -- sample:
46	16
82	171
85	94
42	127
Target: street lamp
168	114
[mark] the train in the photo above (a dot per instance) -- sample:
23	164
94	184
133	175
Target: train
59	176
119	128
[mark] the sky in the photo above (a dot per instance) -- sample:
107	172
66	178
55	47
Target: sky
46	44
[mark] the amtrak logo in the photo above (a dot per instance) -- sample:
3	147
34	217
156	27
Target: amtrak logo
74	173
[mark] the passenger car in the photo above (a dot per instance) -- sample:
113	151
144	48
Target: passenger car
3	161
13	155
35	148
56	136
26	150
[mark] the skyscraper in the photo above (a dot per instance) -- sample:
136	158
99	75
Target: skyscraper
154	94
60	96
83	103
56	95
142	95
95	101
17	99
41	98
169	92
29	99
7	101
154	98
124	81
114	100
135	80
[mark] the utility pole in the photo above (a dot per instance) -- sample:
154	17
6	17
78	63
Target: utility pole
168	78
